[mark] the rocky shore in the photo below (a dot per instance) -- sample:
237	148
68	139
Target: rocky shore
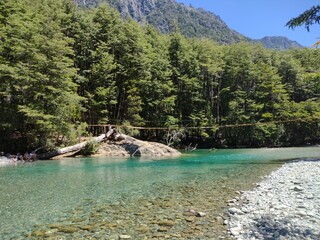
285	205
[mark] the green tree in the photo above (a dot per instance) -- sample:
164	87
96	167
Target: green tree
185	69
37	72
307	18
158	93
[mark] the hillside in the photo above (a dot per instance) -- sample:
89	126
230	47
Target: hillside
67	73
280	43
165	15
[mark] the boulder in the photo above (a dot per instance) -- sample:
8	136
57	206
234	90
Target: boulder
136	148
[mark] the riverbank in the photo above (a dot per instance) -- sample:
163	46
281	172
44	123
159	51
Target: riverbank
285	205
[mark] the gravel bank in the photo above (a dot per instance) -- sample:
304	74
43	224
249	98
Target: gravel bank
285	205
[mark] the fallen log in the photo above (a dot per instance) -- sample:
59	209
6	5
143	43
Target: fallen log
71	149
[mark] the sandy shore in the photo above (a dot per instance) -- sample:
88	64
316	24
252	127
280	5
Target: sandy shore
285	205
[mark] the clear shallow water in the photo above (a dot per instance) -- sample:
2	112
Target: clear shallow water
45	192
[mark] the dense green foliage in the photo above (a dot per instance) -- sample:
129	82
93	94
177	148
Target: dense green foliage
61	67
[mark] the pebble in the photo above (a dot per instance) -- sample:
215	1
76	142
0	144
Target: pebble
201	214
124	237
235	231
285	205
235	211
167	223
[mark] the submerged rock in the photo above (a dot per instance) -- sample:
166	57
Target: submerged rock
201	214
68	229
167	223
124	237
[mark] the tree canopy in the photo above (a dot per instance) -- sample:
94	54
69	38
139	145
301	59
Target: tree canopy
63	68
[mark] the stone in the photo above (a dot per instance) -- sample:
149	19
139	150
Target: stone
189	219
175	235
163	229
302	213
158	235
88	227
50	232
167	223
143	229
38	233
235	211
201	214
111	225
68	229
129	146
78	220
235	231
55	225
124	237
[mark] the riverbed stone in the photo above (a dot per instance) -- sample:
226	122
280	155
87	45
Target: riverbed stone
39	233
279	214
88	227
124	237
201	214
143	229
235	211
68	229
55	225
167	223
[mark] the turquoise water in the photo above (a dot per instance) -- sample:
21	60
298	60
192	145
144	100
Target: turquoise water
45	192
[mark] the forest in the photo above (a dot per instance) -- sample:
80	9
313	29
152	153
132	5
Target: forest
63	69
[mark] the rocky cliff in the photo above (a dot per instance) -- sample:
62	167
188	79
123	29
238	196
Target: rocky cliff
166	15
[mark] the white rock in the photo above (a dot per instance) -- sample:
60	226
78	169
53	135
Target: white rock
124	237
201	214
235	211
302	213
235	231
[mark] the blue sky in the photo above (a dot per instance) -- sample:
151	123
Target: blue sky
259	18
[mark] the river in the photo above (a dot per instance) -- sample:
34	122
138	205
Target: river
141	198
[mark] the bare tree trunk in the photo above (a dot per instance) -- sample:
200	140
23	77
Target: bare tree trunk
71	149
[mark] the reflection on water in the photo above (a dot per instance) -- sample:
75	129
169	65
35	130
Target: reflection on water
41	192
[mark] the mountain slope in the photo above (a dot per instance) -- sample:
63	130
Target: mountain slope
166	15
280	43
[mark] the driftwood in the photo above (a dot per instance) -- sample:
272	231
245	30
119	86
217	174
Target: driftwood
112	134
70	149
